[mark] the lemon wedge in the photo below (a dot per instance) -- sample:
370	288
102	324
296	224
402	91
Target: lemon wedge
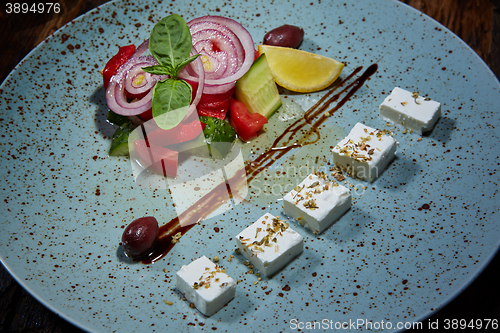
301	71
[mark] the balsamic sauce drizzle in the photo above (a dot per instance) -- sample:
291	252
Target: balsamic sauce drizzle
314	117
317	111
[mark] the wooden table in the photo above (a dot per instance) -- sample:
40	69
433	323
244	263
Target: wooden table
477	22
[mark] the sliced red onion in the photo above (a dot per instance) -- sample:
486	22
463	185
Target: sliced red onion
230	42
225	43
137	81
201	77
115	94
219	51
199	26
141	49
123	81
201	82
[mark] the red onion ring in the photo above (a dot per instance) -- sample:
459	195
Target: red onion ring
146	83
237	44
122	81
224	60
141	49
115	94
199	26
201	83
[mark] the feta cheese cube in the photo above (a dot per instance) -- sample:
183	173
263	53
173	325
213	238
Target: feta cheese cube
365	152
269	244
206	285
316	203
413	112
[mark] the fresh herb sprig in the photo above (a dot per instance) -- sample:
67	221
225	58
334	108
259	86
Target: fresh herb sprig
170	43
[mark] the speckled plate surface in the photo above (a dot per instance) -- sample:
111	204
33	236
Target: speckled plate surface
412	241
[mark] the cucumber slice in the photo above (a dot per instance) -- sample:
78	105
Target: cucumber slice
219	135
216	140
116	119
119	143
258	90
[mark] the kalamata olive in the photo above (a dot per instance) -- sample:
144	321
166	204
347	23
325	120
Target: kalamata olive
140	236
286	36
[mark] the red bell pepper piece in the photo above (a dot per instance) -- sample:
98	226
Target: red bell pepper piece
255	55
124	53
245	123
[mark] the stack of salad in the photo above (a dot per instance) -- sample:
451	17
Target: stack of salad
203	81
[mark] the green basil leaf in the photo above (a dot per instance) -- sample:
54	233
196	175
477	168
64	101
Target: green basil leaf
168	96
172	118
159	70
186	61
170	41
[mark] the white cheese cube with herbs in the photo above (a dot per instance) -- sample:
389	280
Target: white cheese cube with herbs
317	203
408	109
269	244
206	285
365	152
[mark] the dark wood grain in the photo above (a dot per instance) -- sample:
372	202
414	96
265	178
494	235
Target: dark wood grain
477	22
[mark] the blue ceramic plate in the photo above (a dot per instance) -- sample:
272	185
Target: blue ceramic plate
412	241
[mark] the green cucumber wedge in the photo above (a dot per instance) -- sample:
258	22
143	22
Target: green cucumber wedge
258	90
219	135
119	143
216	140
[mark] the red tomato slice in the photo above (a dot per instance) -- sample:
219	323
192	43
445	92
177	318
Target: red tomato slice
245	123
213	105
115	62
178	134
156	158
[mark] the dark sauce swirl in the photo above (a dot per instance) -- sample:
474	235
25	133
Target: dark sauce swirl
288	140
